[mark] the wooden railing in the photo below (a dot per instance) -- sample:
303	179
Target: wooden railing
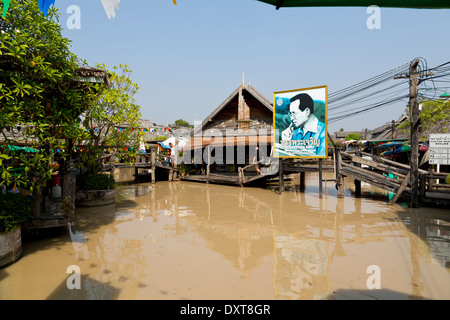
392	176
264	165
433	187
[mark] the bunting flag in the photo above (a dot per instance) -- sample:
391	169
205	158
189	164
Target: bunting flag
109	6
44	5
5	6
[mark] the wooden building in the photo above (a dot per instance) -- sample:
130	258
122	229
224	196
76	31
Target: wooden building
228	138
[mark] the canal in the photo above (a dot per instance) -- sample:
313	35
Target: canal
186	240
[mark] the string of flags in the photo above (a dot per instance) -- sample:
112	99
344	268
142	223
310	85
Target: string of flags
144	129
108	5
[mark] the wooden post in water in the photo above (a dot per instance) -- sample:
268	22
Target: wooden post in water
339	177
208	165
357	182
302	180
153	159
241	182
136	173
422	186
281	177
320	178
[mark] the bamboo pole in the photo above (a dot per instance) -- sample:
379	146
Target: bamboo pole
281	177
320	178
339	177
153	163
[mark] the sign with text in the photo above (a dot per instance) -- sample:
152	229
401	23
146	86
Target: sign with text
440	148
300	123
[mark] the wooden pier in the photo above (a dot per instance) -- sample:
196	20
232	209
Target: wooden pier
150	167
391	176
245	176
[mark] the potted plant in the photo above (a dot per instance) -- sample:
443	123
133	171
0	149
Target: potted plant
184	169
14	210
95	190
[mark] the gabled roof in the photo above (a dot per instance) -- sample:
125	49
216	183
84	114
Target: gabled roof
385	132
255	93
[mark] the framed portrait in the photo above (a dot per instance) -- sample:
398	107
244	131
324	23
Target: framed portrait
300	123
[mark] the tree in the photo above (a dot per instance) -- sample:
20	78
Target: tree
353	136
434	118
112	122
183	123
41	96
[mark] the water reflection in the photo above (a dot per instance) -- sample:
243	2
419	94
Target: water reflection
301	267
180	240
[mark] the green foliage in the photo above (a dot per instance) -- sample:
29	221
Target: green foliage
14	209
114	108
353	136
38	88
183	123
96	182
184	168
434	117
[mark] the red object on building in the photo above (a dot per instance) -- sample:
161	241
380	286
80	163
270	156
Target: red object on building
56	181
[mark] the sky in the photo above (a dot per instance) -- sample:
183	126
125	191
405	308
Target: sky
187	59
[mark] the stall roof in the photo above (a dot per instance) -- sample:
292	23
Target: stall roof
202	142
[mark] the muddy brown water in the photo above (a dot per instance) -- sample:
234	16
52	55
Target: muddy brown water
185	240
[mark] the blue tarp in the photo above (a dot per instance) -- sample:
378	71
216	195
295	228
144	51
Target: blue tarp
389	145
163	145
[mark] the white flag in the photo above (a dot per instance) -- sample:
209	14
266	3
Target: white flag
109	5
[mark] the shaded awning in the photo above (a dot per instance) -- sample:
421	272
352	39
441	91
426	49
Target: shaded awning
25	149
415	4
389	145
203	142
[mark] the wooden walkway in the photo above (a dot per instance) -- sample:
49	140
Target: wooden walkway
391	176
154	166
246	176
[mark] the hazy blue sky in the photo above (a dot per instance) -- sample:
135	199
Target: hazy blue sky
188	58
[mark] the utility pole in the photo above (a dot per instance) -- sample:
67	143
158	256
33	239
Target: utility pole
415	122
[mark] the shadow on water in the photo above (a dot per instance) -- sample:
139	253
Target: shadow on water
3	274
87	219
90	290
375	294
44	239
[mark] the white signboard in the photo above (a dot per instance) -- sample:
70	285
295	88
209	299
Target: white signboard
440	148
